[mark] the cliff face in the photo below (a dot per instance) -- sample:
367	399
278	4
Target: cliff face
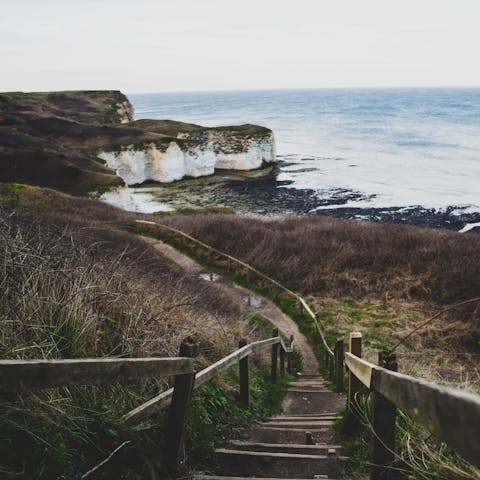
83	141
194	153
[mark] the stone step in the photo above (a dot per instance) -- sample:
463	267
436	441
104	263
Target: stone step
317	449
268	434
274	464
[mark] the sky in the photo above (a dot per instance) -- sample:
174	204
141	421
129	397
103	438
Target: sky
199	45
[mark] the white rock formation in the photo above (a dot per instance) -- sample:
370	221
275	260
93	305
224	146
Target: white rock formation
170	161
256	153
137	165
199	162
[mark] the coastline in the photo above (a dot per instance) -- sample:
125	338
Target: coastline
260	193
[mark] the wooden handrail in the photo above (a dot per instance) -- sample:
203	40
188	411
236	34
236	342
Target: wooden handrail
157	403
360	368
22	375
221	365
261	345
452	415
285	348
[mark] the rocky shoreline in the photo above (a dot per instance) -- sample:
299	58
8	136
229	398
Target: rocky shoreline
260	193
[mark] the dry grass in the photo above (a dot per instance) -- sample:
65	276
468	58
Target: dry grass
354	259
76	291
72	288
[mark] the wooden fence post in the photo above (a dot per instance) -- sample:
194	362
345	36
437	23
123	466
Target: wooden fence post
177	416
300	309
384	413
273	371
331	366
244	377
282	361
339	365
354	384
289	356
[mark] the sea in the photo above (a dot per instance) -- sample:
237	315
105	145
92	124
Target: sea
375	149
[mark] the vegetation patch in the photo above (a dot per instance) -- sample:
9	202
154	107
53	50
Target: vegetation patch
217	415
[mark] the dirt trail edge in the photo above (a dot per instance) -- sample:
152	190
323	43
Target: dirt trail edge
246	299
299	443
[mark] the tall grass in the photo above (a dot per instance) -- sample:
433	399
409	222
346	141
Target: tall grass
79	289
353	259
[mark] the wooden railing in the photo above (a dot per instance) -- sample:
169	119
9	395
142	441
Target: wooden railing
450	414
27	375
17	376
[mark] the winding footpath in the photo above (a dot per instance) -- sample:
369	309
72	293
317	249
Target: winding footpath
299	443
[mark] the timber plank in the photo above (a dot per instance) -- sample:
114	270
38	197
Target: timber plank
22	375
450	414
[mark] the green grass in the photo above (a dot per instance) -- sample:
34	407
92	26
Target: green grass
9	193
218	416
204	210
68	435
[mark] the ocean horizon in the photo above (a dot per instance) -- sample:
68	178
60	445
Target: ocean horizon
383	147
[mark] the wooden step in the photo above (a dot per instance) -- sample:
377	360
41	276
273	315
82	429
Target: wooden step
275	464
308	385
318	449
306	425
309	415
267	434
309	390
302	418
216	477
299	403
308	382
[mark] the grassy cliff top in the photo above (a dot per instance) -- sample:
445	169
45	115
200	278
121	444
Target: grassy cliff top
89	106
51	139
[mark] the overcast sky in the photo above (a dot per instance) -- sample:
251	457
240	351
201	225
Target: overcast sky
188	45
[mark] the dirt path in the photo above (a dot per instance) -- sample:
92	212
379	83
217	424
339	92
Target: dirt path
299	443
246	299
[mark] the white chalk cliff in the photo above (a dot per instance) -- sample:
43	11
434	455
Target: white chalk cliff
195	152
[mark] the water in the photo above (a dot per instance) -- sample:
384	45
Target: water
394	147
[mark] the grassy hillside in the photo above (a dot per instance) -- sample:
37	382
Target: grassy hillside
383	280
358	260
